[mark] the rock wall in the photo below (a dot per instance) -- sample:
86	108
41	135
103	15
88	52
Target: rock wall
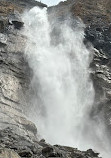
13	145
96	15
14	71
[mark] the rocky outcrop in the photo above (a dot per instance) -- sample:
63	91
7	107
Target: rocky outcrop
91	12
7	7
8	153
16	146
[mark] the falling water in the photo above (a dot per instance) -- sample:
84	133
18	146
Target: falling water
64	93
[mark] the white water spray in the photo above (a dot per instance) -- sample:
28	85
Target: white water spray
61	80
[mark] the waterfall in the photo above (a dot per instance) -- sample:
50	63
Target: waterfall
64	93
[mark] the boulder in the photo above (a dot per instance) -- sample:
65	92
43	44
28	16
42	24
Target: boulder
7	153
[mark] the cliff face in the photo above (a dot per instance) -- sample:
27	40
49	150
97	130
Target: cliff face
18	136
14	78
91	12
97	17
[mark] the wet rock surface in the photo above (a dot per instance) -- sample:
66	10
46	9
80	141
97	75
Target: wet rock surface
14	72
96	16
12	144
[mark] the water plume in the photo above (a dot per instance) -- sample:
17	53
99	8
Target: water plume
61	82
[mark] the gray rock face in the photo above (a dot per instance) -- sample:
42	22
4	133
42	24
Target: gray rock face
102	82
16	145
95	15
14	77
27	3
8	153
100	37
